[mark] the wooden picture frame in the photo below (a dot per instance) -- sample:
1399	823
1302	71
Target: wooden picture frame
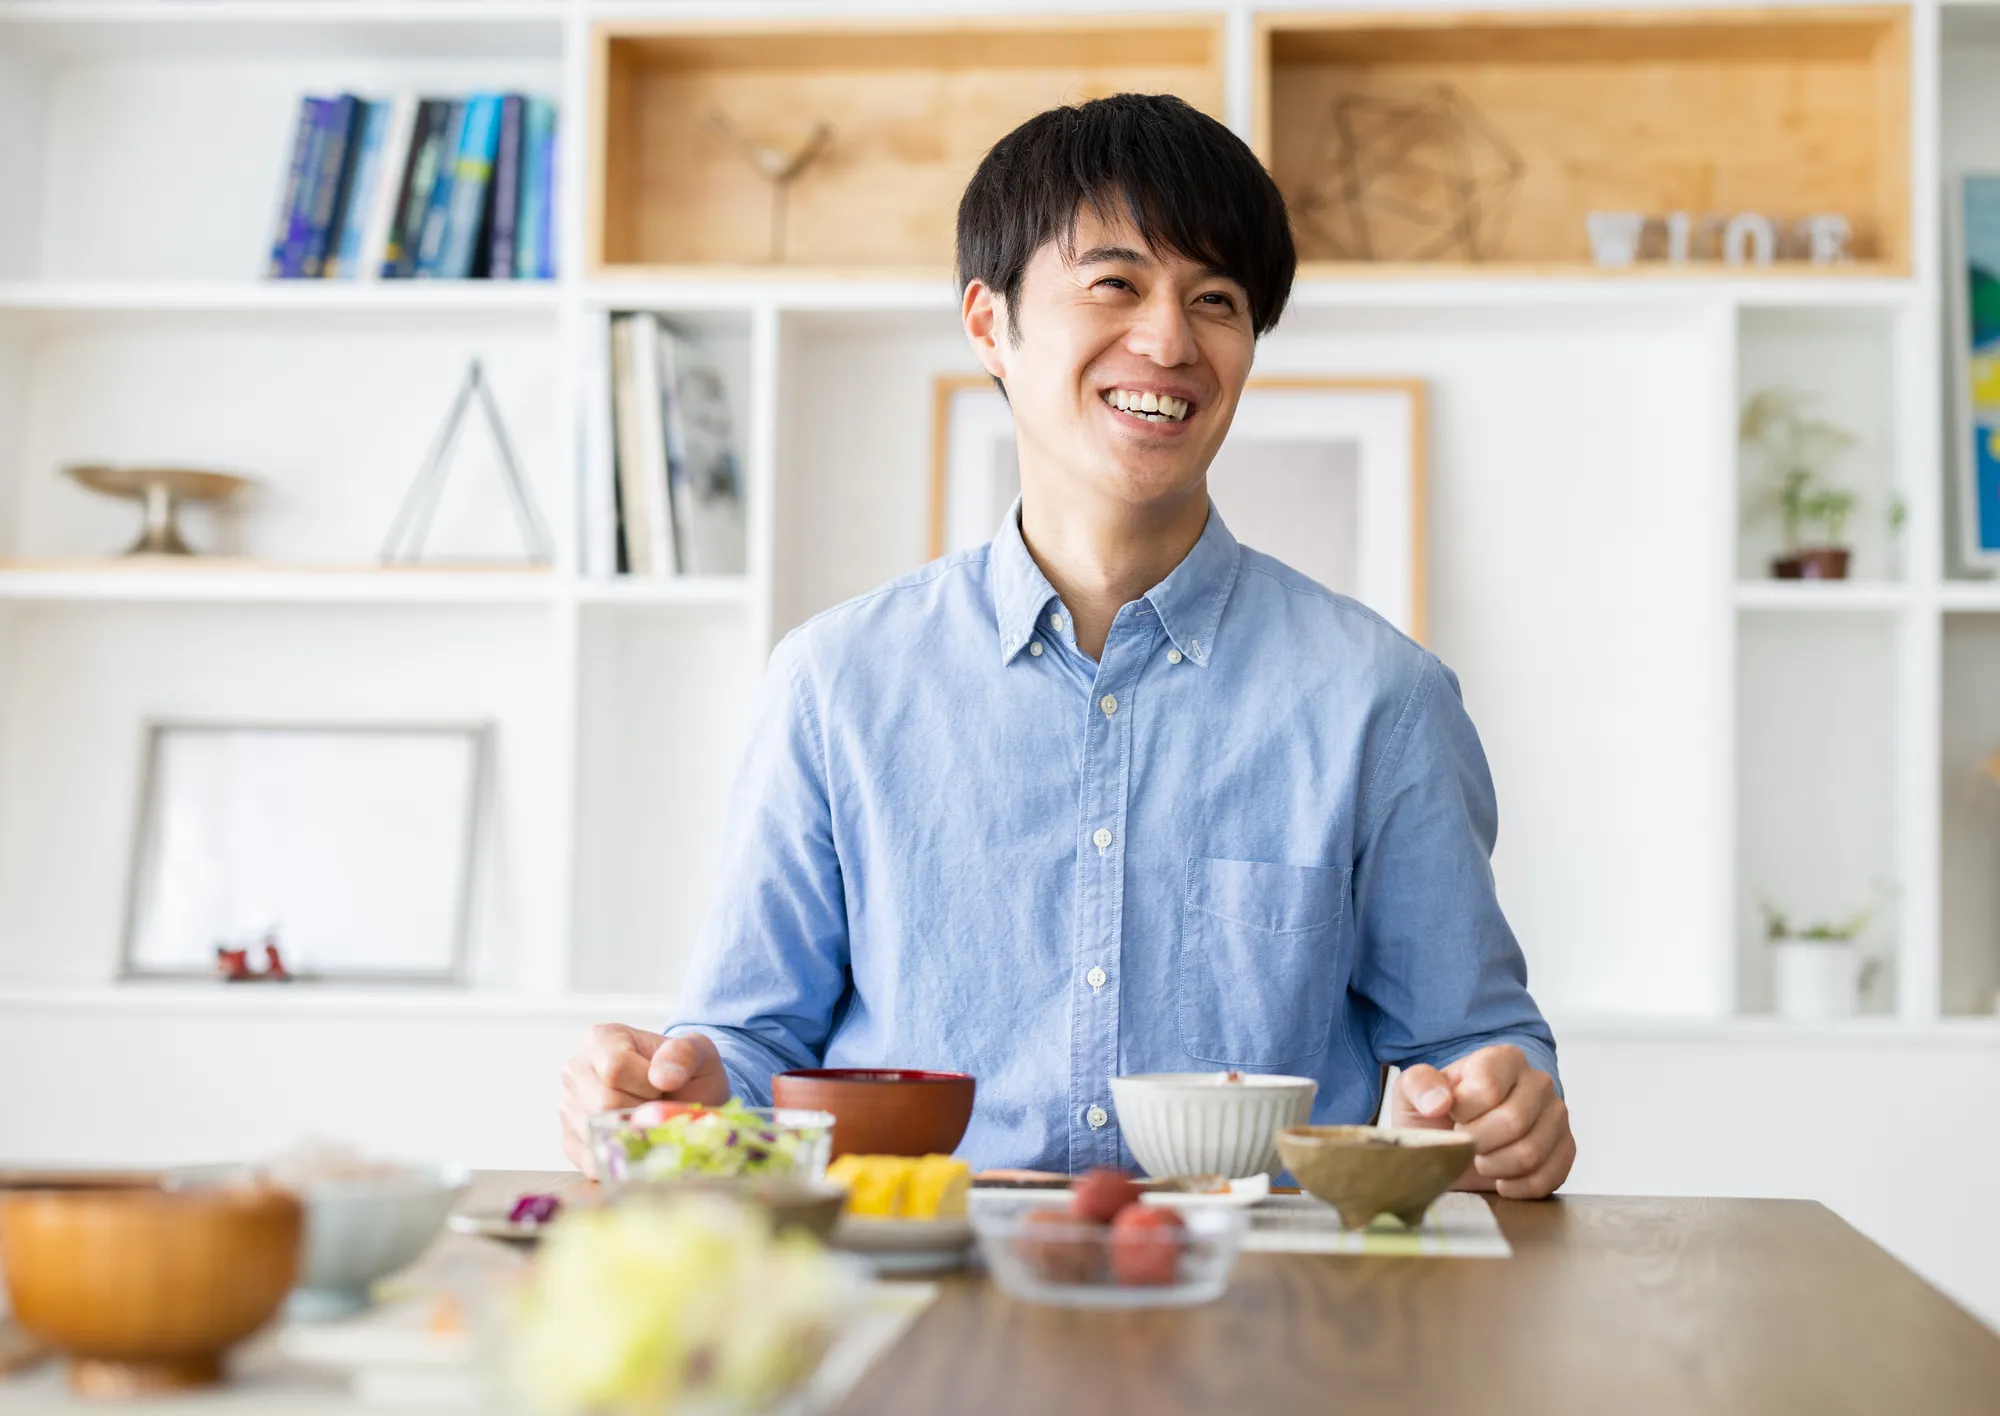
1365	436
356	843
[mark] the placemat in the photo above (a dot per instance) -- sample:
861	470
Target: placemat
1459	1225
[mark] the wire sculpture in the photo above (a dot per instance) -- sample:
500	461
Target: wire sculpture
775	166
411	528
1413	179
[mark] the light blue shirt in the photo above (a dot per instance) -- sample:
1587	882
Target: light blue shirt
1254	834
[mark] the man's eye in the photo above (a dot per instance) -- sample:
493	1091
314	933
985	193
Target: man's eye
1117	280
1218	299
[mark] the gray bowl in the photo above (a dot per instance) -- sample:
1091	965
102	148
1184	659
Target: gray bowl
356	1230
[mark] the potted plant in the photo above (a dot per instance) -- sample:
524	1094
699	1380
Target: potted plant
1819	972
1797	451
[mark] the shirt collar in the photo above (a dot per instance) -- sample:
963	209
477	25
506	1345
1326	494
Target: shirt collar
1189	601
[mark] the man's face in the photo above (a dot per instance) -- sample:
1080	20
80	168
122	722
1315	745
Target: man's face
1120	324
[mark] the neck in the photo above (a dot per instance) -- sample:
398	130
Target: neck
1101	556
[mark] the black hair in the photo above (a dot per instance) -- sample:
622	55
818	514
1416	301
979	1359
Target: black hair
1189	184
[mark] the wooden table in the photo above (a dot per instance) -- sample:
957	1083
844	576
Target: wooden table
1626	1306
1609	1307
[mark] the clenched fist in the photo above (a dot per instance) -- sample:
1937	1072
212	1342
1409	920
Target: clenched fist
619	1067
1510	1110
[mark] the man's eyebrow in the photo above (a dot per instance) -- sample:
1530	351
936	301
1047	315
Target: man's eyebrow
1111	255
1106	255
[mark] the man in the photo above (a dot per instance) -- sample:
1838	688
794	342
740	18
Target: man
1112	794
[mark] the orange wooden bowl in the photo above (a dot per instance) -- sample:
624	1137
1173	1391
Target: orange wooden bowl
882	1111
143	1289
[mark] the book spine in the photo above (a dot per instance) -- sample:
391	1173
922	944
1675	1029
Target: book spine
629	401
673	455
399	257
545	231
333	172
390	184
534	177
359	202
437	211
471	179
506	192
298	230
701	450
281	225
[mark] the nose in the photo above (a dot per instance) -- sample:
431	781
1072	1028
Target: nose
1161	332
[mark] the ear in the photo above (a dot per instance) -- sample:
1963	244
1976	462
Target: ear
985	322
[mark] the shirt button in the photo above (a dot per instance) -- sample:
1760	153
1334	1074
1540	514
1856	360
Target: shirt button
1096	977
1173	656
1102	838
1097	1117
1035	648
1055	622
1108	704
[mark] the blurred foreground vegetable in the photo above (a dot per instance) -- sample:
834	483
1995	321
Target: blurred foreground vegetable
653	1306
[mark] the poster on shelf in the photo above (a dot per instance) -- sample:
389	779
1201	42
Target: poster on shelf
1976	356
1326	474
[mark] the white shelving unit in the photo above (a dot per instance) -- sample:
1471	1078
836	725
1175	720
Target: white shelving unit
1652	706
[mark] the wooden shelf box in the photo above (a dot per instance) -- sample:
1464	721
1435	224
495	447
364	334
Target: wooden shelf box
913	108
1784	112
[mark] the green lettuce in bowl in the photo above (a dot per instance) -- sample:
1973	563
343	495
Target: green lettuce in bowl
667	1141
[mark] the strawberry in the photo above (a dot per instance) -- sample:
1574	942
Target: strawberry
1146	1245
1068	1257
1099	1195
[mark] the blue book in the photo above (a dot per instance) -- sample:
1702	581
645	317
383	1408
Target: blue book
504	229
430	238
298	228
288	200
537	119
545	219
333	165
471	181
345	261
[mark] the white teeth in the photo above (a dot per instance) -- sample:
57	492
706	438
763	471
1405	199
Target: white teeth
1154	407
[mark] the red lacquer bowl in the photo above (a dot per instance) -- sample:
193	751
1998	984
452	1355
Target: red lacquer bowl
882	1110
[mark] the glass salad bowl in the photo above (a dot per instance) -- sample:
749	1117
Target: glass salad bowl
1040	1253
668	1142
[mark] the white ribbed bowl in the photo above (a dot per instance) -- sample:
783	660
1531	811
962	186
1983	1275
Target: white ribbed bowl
1201	1123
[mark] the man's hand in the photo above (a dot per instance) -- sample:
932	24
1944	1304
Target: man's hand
1508	1108
619	1067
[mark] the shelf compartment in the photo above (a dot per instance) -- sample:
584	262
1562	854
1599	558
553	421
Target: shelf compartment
913	107
1785	112
1816	786
1969	800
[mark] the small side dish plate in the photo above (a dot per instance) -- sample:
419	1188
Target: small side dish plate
905	1246
493	1224
1241	1194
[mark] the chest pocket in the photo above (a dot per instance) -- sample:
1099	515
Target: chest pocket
1259	967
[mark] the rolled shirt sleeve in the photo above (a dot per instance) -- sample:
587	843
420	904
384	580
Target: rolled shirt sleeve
1437	965
770	967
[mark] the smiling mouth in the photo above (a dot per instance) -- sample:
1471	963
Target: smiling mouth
1152	407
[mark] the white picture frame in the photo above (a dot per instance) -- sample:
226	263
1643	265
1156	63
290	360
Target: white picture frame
355	843
1328	474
